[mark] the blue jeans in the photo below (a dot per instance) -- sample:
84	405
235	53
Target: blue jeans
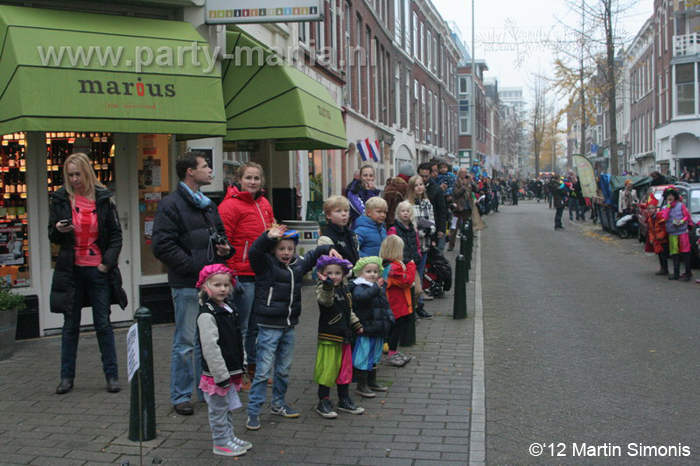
275	353
186	357
96	284
249	326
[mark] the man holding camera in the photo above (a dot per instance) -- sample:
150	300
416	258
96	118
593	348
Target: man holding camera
187	235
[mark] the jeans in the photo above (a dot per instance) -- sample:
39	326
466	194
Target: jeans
96	284
220	418
249	326
441	242
557	217
275	348
573	207
186	357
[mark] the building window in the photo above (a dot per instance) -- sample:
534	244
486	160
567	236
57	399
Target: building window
422	43
358	63
416	37
464	127
430	50
685	89
407	24
463	86
348	54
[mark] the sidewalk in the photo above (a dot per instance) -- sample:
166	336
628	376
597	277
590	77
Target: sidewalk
422	420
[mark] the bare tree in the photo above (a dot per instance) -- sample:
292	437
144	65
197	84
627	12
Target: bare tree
541	112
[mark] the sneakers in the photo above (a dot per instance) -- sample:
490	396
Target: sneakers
241	443
407	359
395	360
230	449
346	404
284	411
325	409
685	277
253	422
422	313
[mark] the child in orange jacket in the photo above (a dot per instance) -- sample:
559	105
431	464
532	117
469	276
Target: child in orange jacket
399	278
657	238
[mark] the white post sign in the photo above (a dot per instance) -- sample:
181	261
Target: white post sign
262	11
132	350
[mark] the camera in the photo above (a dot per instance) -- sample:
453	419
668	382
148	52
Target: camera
218	240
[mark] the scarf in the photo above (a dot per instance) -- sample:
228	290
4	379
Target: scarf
200	200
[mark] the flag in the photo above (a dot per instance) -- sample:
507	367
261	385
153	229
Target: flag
369	150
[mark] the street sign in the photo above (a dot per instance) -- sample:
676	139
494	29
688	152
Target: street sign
262	11
594	148
132	350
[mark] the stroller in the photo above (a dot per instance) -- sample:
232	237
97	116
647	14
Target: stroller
437	278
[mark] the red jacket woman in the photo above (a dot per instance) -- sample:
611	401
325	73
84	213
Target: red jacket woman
245	216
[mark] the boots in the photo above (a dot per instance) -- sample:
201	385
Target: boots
362	388
686	261
373	384
676	267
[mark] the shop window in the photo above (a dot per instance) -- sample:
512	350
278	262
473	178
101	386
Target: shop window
152	155
316	176
685	89
14	250
99	147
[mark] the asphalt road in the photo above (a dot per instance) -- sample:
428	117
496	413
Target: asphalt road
585	347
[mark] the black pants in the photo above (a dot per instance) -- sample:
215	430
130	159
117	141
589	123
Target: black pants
663	258
397	331
557	217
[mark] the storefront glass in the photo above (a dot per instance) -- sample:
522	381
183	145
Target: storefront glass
153	155
14	250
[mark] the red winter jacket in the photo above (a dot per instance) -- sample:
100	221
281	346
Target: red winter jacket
245	218
399	280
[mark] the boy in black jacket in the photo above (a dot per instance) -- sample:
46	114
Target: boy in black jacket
278	274
337	212
336	323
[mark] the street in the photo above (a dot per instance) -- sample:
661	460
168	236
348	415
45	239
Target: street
587	353
584	344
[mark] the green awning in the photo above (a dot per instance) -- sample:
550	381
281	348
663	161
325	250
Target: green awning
267	99
69	71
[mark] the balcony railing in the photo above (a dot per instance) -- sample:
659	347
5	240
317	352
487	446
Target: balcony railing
688	44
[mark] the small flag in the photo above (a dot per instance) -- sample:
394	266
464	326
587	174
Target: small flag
369	150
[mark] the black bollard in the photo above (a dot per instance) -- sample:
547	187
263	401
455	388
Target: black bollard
459	310
470	245
142	418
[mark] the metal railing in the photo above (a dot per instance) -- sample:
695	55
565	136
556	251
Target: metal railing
688	44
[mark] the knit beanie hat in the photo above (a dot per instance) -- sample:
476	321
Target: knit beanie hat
406	169
362	263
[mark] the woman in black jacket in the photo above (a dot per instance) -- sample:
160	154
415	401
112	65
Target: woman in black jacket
83	221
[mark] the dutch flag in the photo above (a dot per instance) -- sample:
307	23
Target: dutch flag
369	150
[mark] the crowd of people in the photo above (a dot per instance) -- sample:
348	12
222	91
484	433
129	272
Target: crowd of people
236	282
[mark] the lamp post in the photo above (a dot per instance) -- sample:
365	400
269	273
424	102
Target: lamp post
473	106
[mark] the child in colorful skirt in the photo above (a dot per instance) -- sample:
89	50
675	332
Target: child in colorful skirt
222	357
336	322
677	221
372	308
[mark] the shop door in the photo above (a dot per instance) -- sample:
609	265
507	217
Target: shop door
112	171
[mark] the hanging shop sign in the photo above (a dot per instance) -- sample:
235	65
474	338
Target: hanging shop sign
262	11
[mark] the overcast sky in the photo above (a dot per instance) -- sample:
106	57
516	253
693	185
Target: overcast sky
526	21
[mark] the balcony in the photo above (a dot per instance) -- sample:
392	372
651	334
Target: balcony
688	44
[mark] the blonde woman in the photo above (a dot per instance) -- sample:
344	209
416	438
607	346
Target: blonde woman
83	221
423	220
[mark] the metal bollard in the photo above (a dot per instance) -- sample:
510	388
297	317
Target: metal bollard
470	245
142	417
459	310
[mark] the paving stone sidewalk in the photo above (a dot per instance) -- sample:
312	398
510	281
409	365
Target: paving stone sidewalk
422	420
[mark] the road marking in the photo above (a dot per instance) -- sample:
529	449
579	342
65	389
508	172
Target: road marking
477	426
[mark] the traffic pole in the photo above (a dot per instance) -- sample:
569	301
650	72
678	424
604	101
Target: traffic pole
459	310
142	416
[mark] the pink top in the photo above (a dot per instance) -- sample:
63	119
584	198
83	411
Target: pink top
87	254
